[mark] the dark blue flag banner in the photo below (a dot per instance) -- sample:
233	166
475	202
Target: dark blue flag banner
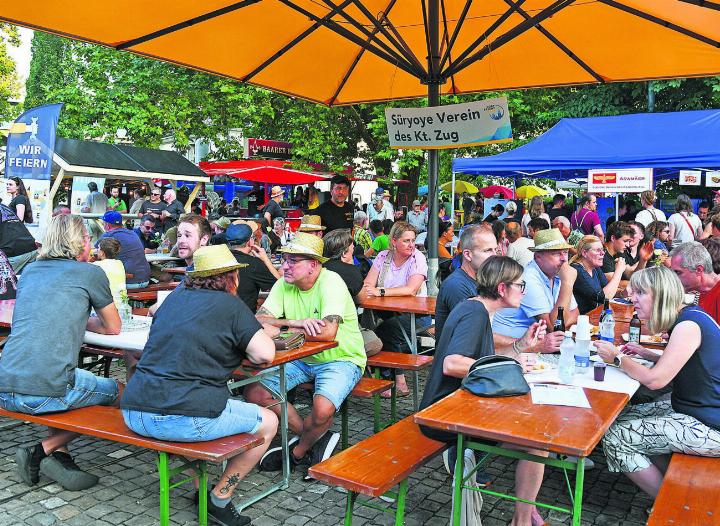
31	143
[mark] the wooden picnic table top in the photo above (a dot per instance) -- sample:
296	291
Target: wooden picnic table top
515	419
281	357
424	305
175	270
6	312
623	314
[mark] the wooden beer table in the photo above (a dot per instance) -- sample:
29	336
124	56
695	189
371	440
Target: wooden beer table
567	431
413	305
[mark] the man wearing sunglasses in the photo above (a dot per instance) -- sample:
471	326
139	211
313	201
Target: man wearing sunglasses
549	284
154	206
315	301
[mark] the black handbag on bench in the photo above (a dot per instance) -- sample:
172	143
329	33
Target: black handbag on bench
496	376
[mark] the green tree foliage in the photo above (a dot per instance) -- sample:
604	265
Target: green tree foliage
9	87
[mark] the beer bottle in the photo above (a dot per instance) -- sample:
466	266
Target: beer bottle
560	321
634	331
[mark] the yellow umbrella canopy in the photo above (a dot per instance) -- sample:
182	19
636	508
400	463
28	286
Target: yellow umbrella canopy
350	51
460	187
530	191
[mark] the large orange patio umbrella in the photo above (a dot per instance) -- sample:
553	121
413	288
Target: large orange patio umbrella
350	51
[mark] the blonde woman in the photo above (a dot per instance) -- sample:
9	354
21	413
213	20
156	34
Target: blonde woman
649	213
591	286
399	271
537	209
38	367
690	421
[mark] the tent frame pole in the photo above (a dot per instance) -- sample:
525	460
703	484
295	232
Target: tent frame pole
452	200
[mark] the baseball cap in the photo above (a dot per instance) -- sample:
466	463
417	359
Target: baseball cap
379	190
112	217
416	203
238	234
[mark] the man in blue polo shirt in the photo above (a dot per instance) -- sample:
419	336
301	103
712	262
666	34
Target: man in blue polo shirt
132	252
548	285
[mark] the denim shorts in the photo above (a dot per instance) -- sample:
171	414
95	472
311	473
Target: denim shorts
333	380
237	417
88	390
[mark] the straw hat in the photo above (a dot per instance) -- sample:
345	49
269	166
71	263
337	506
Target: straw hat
215	259
276	191
306	245
549	239
252	224
222	222
310	224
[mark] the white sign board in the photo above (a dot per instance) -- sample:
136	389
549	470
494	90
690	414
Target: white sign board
712	179
453	126
690	177
622	180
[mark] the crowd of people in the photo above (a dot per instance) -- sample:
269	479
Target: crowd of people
504	286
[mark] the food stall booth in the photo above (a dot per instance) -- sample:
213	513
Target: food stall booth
268	173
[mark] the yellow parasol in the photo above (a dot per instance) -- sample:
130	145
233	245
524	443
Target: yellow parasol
460	187
530	191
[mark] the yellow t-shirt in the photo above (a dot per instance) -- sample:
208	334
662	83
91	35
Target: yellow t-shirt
115	272
329	296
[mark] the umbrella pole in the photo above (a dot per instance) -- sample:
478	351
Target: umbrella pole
433	157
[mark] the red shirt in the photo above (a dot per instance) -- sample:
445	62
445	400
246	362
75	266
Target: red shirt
710	302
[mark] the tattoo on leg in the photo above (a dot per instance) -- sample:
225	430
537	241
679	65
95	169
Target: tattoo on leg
233	480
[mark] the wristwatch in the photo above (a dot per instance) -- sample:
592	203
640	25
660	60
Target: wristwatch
382	292
618	360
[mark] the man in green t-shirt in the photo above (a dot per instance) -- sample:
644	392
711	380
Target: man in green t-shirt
315	301
115	203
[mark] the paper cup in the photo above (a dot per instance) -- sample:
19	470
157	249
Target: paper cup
162	294
582	328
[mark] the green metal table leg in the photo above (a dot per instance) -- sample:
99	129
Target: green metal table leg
376	413
284	428
579	481
202	494
393	404
400	507
344	425
164	474
349	507
458	481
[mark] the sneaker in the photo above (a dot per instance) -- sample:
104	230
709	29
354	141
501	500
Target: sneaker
61	468
272	459
227	516
482	478
28	460
322	449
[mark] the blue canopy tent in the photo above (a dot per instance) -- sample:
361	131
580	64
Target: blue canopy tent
667	142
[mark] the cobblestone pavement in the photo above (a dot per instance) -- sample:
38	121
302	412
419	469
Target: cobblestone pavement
127	493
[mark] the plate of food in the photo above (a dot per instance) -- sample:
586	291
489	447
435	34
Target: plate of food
594	329
621	301
648	339
540	367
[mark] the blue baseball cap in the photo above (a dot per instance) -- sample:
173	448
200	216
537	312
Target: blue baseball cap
238	234
112	217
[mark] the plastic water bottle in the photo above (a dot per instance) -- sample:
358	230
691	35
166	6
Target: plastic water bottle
607	326
582	356
566	366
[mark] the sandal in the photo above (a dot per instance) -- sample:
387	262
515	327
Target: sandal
398	393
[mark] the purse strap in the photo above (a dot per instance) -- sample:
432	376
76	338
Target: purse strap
692	230
384	270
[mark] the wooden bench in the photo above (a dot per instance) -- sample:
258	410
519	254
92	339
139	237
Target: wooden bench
398	360
690	493
365	388
107	423
379	463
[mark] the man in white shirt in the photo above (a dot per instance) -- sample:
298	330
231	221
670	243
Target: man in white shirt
518	248
649	213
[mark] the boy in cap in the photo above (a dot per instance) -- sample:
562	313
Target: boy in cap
132	251
259	272
317	302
